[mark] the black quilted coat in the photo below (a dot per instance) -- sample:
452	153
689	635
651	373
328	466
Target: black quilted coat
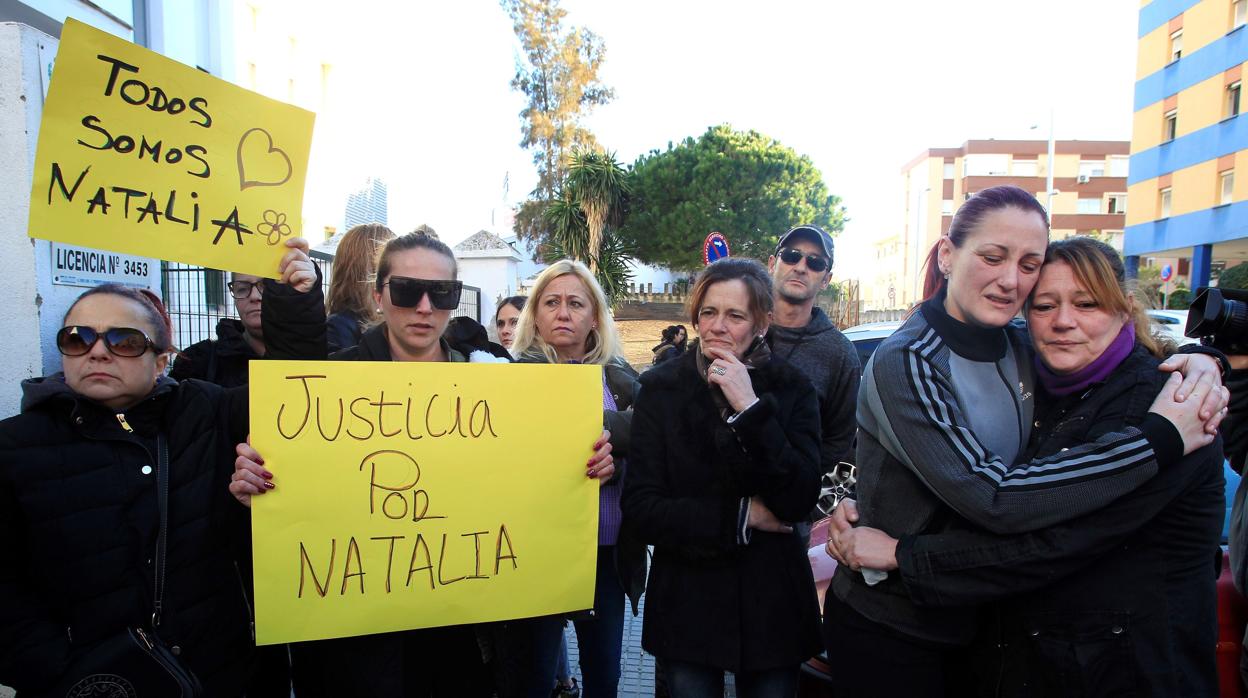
79	519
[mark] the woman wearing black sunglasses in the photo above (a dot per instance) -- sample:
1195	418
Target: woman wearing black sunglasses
416	291
79	512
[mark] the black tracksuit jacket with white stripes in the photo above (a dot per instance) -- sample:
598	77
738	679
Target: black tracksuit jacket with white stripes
942	412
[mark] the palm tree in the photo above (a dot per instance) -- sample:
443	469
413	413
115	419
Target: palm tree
598	184
567	227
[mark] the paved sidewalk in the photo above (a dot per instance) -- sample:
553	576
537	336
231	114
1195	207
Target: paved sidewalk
637	670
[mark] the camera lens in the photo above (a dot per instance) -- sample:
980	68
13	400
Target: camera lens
1214	314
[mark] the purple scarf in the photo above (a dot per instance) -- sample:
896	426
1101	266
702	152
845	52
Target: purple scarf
1061	385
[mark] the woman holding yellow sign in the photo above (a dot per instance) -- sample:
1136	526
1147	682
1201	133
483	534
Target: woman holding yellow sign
416	291
725	456
122	572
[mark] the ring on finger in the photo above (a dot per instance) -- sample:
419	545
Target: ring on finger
719	370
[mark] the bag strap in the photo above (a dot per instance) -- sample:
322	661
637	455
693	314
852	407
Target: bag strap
162	539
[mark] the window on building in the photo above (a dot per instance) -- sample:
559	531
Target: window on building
1226	187
948	170
1176	46
1239	13
1170	127
946	207
987	165
1119	165
1024	168
1117	203
1232	100
1164	203
214	288
1088	206
1091	168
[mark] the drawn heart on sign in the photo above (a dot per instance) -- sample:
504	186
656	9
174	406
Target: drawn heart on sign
260	163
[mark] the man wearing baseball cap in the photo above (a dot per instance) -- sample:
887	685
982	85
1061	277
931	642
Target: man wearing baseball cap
803	335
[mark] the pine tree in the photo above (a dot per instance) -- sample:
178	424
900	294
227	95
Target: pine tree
558	74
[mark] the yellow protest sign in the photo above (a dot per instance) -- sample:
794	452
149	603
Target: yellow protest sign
144	155
413	495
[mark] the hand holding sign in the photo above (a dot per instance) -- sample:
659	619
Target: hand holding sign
143	155
602	464
296	268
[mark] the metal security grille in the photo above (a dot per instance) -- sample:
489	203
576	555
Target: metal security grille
469	303
197	298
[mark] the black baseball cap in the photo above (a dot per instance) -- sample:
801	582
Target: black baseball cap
811	232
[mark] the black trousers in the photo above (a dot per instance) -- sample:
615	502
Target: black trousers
410	664
870	660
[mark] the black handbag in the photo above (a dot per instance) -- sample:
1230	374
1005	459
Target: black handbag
134	663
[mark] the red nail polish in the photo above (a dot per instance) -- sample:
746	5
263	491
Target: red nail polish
269	485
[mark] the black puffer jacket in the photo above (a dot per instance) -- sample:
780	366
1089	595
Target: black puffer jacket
710	599
78	522
222	360
79	519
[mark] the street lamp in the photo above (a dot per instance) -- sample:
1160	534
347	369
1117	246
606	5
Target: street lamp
919	200
1048	180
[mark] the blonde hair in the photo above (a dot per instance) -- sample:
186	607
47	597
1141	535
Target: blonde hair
355	265
602	345
1098	268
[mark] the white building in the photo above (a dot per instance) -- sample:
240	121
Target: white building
644	276
489	263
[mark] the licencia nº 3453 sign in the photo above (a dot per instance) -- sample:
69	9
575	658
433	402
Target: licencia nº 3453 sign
83	266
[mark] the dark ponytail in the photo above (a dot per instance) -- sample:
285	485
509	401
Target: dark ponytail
968	218
932	278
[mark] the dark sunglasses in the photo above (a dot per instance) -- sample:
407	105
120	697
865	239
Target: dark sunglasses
406	292
77	340
242	289
814	262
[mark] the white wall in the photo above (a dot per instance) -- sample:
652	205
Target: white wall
20	108
113	16
495	276
526	267
645	274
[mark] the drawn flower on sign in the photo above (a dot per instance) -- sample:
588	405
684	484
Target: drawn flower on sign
274	226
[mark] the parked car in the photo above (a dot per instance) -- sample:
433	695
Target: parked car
867	337
1172	323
